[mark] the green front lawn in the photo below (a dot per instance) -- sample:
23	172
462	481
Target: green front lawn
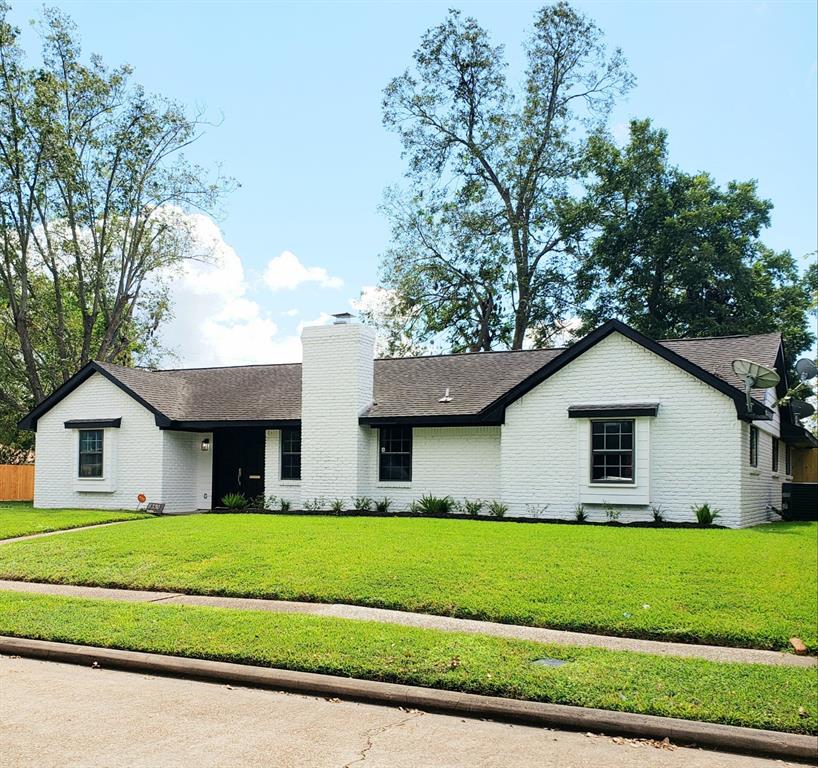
752	587
738	694
21	519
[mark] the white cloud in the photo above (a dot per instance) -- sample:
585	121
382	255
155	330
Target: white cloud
215	322
286	272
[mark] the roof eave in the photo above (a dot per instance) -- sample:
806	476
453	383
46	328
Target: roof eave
758	411
29	421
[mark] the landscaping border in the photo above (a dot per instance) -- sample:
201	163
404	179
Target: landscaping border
686	732
477	518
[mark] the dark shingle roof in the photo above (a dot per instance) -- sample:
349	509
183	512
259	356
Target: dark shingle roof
403	387
716	353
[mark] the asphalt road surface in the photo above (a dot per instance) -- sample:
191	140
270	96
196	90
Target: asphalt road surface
76	717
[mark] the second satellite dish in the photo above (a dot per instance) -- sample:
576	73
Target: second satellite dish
806	369
754	376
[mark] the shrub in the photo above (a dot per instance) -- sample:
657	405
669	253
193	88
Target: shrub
383	505
234	501
314	505
257	502
414	508
705	514
658	513
611	512
472	507
362	504
580	515
435	505
271	501
337	506
284	505
497	508
536	510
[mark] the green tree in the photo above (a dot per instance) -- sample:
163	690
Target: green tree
674	255
93	188
479	246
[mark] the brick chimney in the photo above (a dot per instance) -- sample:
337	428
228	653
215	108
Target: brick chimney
336	388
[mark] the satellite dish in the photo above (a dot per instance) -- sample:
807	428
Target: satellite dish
806	369
754	376
801	408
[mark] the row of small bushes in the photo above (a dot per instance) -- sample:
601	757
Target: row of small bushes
705	514
426	505
441	506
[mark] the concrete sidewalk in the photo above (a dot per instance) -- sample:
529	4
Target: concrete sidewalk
56	715
426	621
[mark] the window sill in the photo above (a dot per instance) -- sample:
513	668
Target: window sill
394	484
755	472
613	485
776	475
290	483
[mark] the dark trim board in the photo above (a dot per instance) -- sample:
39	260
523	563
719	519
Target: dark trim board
208	426
466	420
605	411
93	423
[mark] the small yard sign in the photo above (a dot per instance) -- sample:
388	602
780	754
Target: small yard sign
155	507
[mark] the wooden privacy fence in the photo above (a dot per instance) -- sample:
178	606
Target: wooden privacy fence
16	482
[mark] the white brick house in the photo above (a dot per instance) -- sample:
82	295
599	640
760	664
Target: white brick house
617	420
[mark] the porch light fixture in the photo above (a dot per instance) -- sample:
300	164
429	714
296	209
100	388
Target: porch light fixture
206	444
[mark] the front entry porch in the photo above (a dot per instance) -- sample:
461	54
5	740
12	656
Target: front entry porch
238	462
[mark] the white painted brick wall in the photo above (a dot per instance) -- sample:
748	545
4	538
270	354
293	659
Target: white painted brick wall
273	484
462	462
695	441
336	387
136	461
186	477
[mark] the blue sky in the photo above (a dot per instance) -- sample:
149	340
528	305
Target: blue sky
298	90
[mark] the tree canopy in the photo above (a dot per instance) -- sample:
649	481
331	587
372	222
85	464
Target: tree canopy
92	184
479	250
673	254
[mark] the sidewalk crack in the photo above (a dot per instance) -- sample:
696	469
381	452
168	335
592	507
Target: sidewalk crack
372	733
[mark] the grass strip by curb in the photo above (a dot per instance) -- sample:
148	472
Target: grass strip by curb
22	520
731	738
775	698
747	588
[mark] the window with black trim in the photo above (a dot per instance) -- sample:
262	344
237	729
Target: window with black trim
90	458
788	459
291	453
612	451
395	454
753	446
775	454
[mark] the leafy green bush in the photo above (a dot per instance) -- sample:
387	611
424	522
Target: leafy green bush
472	507
705	514
337	506
314	505
611	512
234	501
362	503
497	509
580	515
435	505
383	505
284	505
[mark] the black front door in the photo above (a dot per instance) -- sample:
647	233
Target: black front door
238	463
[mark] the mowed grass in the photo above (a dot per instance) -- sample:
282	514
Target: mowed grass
753	588
20	519
780	698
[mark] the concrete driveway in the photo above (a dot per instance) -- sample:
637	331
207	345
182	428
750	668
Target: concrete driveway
63	715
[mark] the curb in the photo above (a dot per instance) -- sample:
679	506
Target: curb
724	737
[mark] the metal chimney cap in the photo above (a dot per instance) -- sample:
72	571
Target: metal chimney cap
343	318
